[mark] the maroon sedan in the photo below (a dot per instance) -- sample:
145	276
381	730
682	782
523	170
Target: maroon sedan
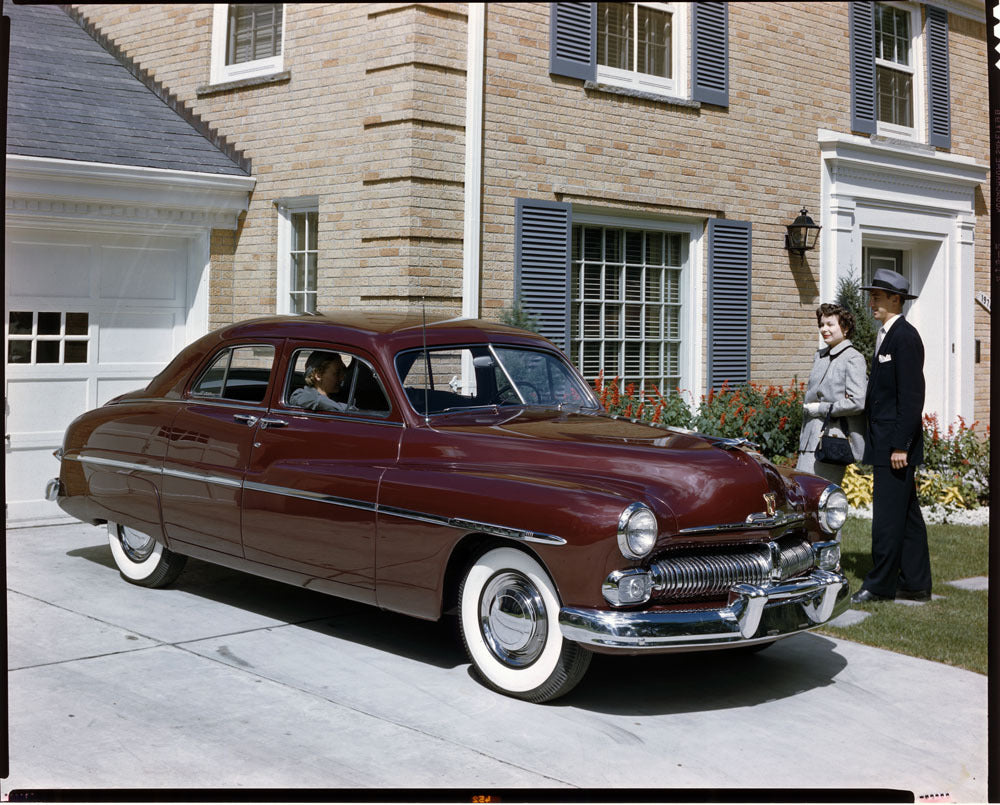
462	464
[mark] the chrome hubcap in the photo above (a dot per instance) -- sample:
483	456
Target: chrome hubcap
512	619
137	546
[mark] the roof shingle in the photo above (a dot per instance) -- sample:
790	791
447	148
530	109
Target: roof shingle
69	98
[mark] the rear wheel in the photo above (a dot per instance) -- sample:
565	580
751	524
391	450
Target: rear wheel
141	559
509	615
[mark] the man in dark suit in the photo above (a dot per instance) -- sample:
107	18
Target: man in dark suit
894	407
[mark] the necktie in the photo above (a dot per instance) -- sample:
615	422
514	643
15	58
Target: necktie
878	340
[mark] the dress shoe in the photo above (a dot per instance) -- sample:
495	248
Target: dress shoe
864	596
913	595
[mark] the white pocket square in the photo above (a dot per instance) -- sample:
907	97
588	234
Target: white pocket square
884	358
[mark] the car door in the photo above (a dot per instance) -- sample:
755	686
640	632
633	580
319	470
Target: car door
312	484
210	443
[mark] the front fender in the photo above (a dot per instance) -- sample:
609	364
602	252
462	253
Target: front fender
570	523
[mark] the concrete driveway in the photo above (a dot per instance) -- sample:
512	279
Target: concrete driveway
226	681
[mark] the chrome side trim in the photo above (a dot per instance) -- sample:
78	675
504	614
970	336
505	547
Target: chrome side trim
204	477
473	525
297	412
110	462
187	475
755	613
304	412
392	511
302	494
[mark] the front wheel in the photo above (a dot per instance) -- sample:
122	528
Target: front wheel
141	559
509	615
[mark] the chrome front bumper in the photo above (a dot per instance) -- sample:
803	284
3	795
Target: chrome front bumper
754	613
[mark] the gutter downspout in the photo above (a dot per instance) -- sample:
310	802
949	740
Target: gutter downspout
473	160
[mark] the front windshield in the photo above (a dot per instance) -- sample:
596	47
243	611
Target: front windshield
455	378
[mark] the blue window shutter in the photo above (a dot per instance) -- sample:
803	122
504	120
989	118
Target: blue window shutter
542	233
729	250
572	40
710	53
862	24
938	81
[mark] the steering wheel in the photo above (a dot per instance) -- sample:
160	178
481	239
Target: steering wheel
525	388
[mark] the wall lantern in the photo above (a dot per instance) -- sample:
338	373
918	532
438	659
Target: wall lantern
802	234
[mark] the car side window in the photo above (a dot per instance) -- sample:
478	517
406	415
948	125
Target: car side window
333	381
238	373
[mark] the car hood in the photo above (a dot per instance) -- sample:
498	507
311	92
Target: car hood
701	481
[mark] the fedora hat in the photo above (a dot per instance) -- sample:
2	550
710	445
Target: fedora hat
886	279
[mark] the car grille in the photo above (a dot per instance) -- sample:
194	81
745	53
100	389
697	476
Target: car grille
705	574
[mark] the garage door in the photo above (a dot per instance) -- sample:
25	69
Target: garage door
88	316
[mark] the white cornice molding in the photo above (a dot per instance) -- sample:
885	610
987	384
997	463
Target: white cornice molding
900	173
41	189
113	217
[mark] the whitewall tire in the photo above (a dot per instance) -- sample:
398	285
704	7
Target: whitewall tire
509	615
141	559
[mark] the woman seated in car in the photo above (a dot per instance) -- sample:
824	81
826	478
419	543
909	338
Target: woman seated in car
324	375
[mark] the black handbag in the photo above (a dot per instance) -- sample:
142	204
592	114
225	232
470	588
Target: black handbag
834	449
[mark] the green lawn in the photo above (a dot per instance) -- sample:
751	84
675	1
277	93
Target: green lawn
952	629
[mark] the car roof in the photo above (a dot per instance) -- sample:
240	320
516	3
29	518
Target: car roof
391	330
381	334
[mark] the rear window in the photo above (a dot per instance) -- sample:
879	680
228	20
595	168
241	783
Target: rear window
238	373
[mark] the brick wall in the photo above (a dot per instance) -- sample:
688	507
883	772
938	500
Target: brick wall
970	136
372	122
758	160
548	137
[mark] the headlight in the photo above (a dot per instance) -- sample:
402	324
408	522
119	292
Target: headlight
832	509
637	531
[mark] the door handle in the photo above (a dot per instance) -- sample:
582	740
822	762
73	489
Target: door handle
267	422
249	419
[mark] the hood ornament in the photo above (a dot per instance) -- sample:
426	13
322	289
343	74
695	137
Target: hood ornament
770	516
770	503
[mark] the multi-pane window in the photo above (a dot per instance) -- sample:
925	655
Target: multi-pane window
636	37
303	256
626	316
47	337
253	32
893	65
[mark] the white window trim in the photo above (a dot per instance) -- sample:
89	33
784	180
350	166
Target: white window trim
691	285
678	86
221	72
283	301
918	132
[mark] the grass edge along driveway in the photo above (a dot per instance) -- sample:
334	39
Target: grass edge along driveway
952	627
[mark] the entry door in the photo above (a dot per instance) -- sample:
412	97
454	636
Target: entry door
87	316
312	487
895	260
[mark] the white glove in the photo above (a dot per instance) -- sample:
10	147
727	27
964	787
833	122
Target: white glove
813	409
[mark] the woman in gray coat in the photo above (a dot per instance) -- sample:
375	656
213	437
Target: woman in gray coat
837	385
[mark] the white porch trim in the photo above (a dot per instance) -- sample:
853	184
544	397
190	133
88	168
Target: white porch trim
912	197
